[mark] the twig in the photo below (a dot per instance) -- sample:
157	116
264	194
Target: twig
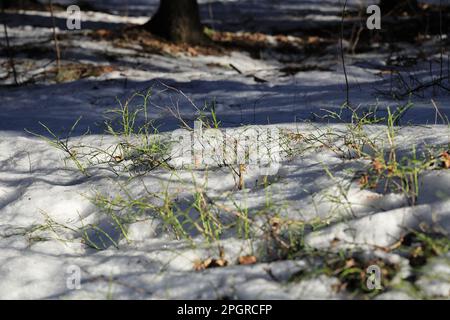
347	87
437	113
55	38
235	68
441	38
257	79
8	48
356	36
422	86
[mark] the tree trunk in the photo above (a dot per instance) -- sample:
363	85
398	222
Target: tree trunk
398	6
178	21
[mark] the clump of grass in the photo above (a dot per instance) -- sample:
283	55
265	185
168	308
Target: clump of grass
92	235
356	142
139	140
418	246
139	148
387	171
196	215
63	144
208	115
350	267
394	175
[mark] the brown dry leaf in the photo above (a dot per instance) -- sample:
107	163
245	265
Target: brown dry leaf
209	263
313	40
192	51
102	33
295	136
378	166
391	169
445	160
105	69
130	38
350	263
247	260
335	242
74	71
218	263
118	158
364	180
94	71
281	38
201	264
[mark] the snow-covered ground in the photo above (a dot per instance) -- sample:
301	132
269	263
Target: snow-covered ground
55	219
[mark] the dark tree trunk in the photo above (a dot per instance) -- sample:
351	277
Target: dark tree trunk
398	6
178	21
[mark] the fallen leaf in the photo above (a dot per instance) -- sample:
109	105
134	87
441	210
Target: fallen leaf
378	166
247	260
335	242
209	263
218	263
350	263
445	160
391	168
313	40
295	136
102	33
118	158
201	264
192	51
364	180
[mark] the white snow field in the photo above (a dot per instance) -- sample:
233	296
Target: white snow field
192	222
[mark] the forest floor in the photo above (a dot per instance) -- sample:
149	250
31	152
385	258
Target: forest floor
234	171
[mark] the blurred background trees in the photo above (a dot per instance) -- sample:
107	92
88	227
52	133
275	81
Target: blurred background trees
398	6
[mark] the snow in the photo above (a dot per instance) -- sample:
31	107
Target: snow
434	281
45	202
